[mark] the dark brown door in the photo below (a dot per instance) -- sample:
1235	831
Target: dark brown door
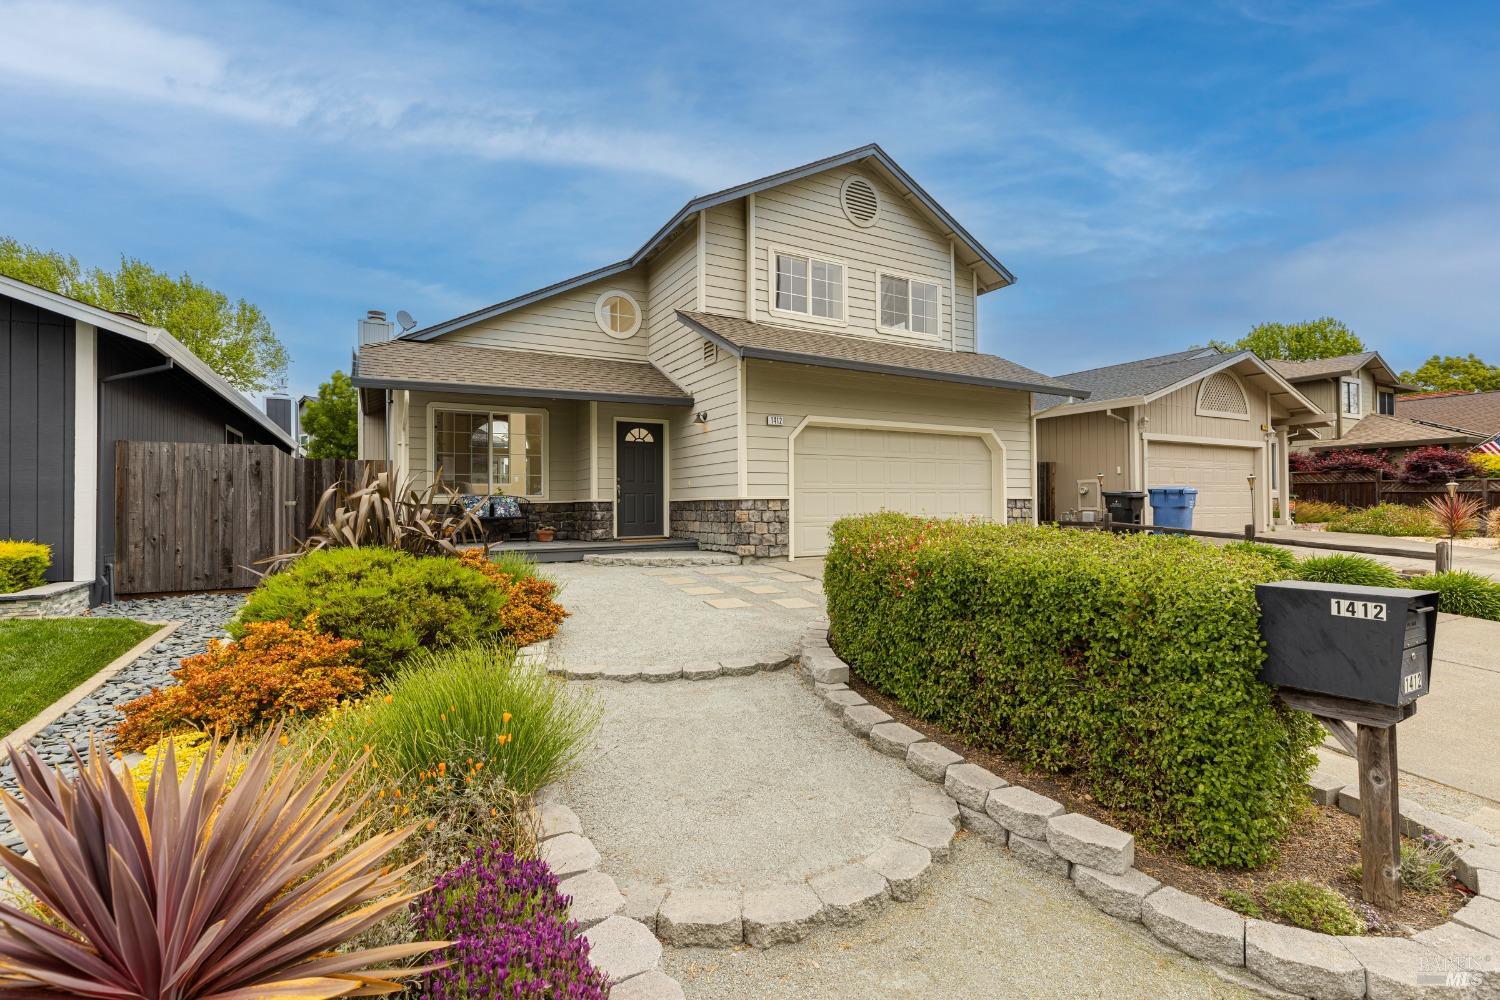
639	486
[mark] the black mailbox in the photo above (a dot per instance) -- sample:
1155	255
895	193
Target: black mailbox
1365	644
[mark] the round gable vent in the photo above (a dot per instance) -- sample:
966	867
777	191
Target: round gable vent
859	200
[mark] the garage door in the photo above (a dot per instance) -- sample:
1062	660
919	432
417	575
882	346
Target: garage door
1219	474
842	470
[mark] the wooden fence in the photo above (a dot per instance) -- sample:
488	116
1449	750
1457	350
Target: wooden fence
199	516
1366	489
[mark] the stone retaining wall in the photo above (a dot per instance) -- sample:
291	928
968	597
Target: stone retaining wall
575	520
1458	959
51	600
744	527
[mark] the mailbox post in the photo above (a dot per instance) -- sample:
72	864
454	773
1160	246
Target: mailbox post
1360	655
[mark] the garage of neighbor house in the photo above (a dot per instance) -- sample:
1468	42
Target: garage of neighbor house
1218	423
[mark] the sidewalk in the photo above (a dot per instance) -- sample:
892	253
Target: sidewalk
1485	562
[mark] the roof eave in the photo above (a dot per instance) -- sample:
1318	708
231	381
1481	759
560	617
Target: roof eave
525	392
1090	406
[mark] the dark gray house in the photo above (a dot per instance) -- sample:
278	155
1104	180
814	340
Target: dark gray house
74	379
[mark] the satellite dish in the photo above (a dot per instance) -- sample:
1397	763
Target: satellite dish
404	318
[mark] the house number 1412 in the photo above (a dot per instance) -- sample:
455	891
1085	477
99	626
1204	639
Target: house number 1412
1370	610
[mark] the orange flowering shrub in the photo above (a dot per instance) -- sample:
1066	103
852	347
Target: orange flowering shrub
530	613
276	669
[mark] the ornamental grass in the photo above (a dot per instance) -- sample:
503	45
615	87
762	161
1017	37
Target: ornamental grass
202	888
510	931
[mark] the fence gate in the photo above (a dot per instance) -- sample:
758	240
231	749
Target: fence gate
199	516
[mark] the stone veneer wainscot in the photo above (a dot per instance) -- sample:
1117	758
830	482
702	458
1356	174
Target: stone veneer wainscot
744	527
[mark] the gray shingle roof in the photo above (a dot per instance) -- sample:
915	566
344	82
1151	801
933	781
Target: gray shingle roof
780	343
1378	430
1140	378
413	364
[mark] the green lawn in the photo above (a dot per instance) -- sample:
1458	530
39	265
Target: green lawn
43	659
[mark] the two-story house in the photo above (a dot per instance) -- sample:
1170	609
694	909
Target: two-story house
778	355
1359	391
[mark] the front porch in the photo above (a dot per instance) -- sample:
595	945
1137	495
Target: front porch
574	550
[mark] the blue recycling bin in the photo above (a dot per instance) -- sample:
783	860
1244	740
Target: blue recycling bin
1172	506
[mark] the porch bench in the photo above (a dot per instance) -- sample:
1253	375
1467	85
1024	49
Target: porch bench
499	513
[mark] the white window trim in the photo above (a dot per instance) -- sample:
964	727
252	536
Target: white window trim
1359	401
908	334
1203	411
599	316
771	252
546	416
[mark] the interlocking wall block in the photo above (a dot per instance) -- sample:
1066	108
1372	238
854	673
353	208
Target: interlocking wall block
1481	914
781	915
1349	799
620	672
932	832
825	668
1476	955
707	918
1404	969
970	785
1022	811
702	672
905	867
1118	895
931	760
850	894
1038	854
1324	789
930	801
653	985
860	719
1303	962
569	854
556	818
594	896
622	948
659	672
1086	841
1469	861
741	667
982	824
894	739
643	903
837	701
1195	927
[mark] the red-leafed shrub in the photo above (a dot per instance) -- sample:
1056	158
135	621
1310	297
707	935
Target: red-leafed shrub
1348	460
1437	465
1302	461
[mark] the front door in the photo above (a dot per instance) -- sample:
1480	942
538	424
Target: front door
640	484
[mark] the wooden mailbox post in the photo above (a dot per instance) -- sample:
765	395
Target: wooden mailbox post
1358	656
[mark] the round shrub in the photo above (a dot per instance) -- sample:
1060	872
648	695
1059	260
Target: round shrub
1130	662
530	613
1462	593
1349	570
392	602
1436	464
23	565
1277	555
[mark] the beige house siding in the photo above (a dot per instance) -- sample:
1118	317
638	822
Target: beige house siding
965	330
805	215
1177	414
608	414
793	392
563	324
1081	446
724	260
704	456
560	432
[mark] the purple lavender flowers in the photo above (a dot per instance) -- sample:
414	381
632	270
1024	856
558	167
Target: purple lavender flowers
511	933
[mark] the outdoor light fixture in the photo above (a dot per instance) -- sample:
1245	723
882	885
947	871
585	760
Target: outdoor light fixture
701	417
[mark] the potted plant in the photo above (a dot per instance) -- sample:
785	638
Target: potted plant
545	533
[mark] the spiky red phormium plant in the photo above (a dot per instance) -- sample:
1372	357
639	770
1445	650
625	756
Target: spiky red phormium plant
235	882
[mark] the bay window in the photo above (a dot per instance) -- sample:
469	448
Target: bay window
911	306
489	451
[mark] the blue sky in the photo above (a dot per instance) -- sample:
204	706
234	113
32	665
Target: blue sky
1156	174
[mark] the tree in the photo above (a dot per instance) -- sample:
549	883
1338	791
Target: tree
1325	337
331	420
234	338
1451	373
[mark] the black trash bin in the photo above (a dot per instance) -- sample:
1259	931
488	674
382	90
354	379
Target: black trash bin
1125	506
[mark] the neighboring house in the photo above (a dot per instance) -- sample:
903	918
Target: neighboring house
74	380
776	356
1360	391
1477	412
1198	418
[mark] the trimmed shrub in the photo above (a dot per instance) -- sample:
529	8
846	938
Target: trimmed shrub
1316	511
449	715
1437	464
1312	907
1462	593
1130	662
1395	519
1349	570
1302	461
1348	460
23	565
1485	464
1277	555
510	931
530	614
275	669
392	602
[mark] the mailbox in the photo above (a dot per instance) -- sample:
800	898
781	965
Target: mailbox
1363	644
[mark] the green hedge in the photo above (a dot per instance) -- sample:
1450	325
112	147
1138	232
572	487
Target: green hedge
23	565
392	602
1128	661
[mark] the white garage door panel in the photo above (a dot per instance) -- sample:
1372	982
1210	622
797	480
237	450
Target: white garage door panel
841	471
1218	473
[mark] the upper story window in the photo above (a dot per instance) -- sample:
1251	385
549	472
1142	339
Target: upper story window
808	286
1387	402
1351	398
618	313
911	306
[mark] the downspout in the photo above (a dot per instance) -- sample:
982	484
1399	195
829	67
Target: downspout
1129	447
